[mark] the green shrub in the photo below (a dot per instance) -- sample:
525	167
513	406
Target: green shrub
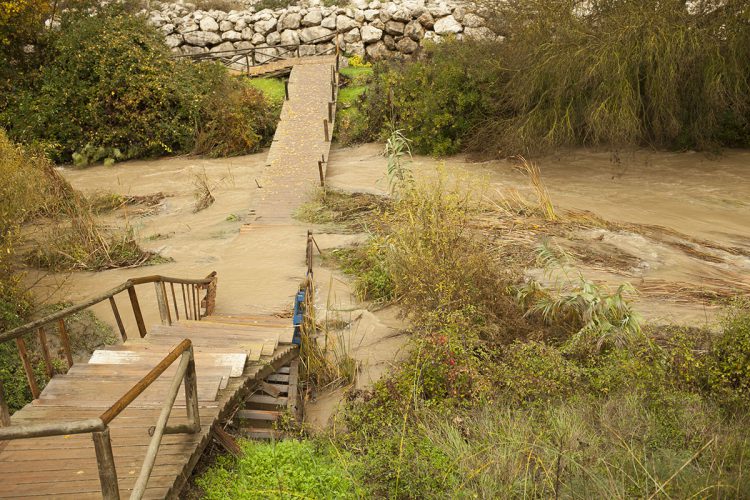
435	102
287	469
626	73
536	372
110	90
729	359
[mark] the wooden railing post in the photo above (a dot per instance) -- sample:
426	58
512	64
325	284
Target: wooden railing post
331	105
118	319
65	340
191	394
45	352
137	311
162	302
4	412
325	130
286	89
27	367
106	464
211	293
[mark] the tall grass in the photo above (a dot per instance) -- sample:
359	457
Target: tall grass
622	73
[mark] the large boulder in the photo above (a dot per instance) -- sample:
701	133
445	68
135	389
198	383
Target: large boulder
209	24
377	51
481	33
313	33
313	18
472	20
414	30
329	22
356	49
447	26
344	23
190	50
248	33
223	47
353	36
173	41
231	36
289	37
426	20
439	10
371	34
407	46
265	27
202	38
401	15
290	21
273	38
395	28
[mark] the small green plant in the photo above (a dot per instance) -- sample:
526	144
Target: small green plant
287	469
398	152
359	62
729	358
600	318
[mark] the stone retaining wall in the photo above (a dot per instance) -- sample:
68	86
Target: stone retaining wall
377	30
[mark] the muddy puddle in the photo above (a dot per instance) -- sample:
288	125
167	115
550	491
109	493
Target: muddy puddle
682	232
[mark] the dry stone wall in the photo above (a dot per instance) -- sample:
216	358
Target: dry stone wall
373	29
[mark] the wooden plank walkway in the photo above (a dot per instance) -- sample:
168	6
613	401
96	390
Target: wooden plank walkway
232	355
291	172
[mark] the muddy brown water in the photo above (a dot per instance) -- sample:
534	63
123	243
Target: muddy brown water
703	198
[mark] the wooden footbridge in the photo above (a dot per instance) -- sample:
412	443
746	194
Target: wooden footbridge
135	419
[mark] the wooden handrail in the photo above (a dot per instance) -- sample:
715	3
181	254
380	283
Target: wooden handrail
143	383
99	427
35	325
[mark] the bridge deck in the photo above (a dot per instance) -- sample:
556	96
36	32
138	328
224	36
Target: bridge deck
230	360
291	171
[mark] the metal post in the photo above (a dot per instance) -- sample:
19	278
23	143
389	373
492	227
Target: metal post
325	130
106	464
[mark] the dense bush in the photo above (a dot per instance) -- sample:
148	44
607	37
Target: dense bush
110	90
630	73
436	102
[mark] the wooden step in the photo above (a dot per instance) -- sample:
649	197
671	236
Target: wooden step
123	372
278	378
285	335
253	348
77	392
236	361
253	414
263	399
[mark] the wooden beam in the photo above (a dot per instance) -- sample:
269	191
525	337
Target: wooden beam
27	367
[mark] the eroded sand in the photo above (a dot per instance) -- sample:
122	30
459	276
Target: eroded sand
706	199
